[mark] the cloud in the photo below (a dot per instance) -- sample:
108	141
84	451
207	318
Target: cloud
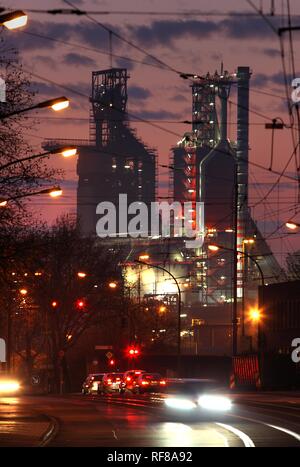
157	115
270	52
165	32
78	59
138	93
123	63
179	98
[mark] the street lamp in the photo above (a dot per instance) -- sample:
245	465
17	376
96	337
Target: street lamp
14	19
65	151
155	266
215	248
54	192
112	285
81	275
255	316
292	225
59	103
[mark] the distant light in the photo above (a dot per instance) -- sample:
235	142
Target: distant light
162	308
184	315
213	247
82	275
37	273
60	104
54	304
14	20
56	192
113	285
3	203
23	291
114	166
69	152
229	230
292	225
255	315
144	257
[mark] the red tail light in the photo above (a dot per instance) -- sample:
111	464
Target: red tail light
109	381
128	378
145	383
162	382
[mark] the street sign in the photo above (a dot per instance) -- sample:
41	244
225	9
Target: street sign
109	355
35	380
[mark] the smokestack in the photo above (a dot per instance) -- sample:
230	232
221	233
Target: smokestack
243	78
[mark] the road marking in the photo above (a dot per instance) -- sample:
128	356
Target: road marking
245	438
285	430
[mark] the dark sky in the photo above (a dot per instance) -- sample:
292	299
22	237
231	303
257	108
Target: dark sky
194	44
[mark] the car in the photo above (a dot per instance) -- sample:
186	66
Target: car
149	382
197	395
110	383
129	380
91	383
9	386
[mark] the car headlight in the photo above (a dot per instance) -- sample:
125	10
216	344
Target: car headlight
8	386
219	403
178	403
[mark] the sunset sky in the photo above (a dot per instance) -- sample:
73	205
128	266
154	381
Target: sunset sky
193	44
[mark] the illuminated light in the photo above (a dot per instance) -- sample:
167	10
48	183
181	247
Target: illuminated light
211	104
69	337
114	166
292	225
184	315
56	192
255	315
126	166
162	308
112	362
144	257
211	122
113	285
23	291
80	304
69	152
8	386
191	191
3	203
145	383
95	386
82	275
14	20
162	382
181	404
218	403
60	104
229	230
213	247
54	304
37	273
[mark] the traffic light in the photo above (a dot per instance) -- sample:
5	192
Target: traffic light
111	362
80	304
133	352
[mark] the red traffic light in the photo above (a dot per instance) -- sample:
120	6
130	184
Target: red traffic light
133	352
112	362
80	304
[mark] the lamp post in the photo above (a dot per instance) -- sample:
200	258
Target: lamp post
292	225
54	192
155	266
65	151
59	103
236	252
13	19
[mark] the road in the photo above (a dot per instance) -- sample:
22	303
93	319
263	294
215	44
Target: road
137	421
